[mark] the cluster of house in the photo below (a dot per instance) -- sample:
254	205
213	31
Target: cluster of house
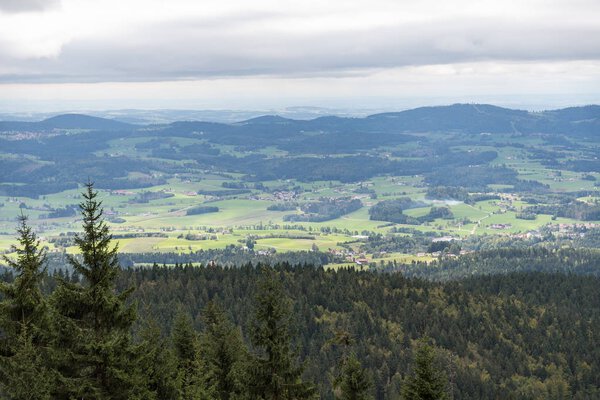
121	193
350	256
500	226
563	230
577	227
439	253
527	235
444	239
284	196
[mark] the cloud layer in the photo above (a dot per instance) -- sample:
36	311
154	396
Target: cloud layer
349	53
19	6
91	41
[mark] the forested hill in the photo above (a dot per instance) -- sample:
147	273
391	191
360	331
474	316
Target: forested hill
292	331
465	118
56	154
66	121
519	336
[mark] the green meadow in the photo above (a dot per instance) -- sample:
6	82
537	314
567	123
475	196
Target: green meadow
245	216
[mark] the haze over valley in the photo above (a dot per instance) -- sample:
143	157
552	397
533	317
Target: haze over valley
279	200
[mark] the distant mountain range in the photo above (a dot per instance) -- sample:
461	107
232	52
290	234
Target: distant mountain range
66	121
166	116
460	118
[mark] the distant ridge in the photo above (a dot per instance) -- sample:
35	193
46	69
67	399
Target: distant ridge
267	119
460	118
470	118
82	121
67	121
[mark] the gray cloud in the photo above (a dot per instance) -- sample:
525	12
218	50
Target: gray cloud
18	6
244	45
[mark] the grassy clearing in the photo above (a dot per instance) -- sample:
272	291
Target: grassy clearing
241	216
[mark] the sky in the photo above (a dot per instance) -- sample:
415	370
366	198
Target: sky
240	54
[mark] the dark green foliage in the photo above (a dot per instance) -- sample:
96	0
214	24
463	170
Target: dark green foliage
93	352
225	192
575	209
473	177
190	379
507	336
23	305
507	260
70	163
438	246
447	193
234	185
67	211
148	196
427	381
391	210
435	213
274	370
201	210
392	243
503	332
325	209
65	159
526	216
24	322
527	186
158	364
229	256
590	240
283	206
354	382
588	177
25	375
223	353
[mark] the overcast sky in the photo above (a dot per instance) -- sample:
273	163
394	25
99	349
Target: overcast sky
57	54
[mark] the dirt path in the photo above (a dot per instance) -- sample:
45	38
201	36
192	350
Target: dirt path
479	220
479	223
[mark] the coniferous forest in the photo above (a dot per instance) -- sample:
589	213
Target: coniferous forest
95	330
299	200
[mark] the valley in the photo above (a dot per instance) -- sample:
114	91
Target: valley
267	186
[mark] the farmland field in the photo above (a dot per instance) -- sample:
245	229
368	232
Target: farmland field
186	190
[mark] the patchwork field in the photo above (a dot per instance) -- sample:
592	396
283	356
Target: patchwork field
268	186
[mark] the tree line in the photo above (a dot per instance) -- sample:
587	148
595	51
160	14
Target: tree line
71	336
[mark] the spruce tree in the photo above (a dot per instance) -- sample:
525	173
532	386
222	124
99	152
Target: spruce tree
191	380
24	322
23	304
427	381
158	363
354	382
93	350
223	353
274	372
25	375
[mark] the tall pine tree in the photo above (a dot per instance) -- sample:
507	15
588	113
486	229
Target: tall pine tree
192	382
158	363
24	305
223	353
427	382
25	374
93	350
353	382
274	372
24	322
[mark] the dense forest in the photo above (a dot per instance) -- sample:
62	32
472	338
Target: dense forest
97	331
346	149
